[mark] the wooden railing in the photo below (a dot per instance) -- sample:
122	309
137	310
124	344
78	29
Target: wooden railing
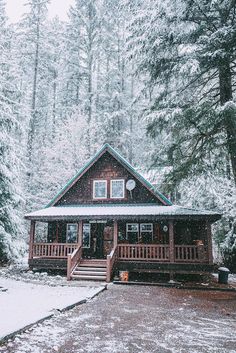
111	260
72	261
56	250
143	252
190	253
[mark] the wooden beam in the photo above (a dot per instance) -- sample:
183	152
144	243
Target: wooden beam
57	240
209	242
31	238
80	233
171	241
115	234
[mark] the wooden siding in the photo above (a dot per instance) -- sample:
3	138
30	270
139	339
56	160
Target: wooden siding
107	168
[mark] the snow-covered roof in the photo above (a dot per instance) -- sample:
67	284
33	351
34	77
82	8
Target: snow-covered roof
118	211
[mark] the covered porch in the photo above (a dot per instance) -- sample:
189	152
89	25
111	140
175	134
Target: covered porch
120	237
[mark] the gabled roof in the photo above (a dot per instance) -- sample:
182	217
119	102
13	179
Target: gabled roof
121	160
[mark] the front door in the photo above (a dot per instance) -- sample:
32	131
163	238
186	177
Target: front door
99	254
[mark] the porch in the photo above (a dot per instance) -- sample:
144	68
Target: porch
118	253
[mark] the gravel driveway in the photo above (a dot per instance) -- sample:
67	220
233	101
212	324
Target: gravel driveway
138	319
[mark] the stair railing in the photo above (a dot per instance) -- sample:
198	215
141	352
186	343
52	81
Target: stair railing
72	261
111	260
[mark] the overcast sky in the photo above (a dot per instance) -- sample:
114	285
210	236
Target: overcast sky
15	8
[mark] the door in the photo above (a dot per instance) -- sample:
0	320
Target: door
99	254
108	239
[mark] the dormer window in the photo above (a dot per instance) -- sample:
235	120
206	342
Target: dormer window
99	189
117	189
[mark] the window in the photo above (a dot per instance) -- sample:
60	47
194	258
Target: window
117	189
132	232
71	232
86	235
99	189
146	233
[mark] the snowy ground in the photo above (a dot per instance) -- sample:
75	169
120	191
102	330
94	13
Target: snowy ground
26	297
130	319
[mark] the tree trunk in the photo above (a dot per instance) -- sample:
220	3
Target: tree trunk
34	94
226	95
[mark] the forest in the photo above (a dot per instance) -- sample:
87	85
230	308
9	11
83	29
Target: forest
155	79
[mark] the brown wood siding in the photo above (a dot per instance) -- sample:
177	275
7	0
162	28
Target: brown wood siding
108	168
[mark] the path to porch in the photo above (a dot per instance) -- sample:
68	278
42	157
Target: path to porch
139	319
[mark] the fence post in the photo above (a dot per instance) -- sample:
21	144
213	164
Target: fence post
68	267
171	241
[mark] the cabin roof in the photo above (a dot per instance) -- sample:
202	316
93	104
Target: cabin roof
119	158
113	211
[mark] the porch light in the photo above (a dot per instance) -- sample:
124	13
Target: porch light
165	229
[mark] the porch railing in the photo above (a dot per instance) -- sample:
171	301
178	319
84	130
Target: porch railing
143	252
56	250
190	253
154	252
73	260
111	260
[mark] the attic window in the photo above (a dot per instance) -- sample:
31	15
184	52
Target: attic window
117	189
99	189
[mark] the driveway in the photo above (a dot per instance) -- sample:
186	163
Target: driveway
138	319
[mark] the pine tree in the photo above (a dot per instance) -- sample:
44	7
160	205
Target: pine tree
10	164
186	49
33	36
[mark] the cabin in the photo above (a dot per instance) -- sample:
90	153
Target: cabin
108	218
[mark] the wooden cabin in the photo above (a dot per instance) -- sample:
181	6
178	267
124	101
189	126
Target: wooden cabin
108	217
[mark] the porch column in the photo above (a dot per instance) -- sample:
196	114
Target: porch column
209	242
115	234
171	241
80	233
31	240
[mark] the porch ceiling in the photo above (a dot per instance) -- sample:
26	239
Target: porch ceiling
107	211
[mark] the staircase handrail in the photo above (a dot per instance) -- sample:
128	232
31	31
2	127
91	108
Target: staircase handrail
72	260
111	260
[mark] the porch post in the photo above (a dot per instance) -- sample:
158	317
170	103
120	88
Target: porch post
57	237
115	235
171	241
31	240
80	233
209	242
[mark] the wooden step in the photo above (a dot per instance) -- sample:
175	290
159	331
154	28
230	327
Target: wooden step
93	261
89	273
91	278
84	269
82	264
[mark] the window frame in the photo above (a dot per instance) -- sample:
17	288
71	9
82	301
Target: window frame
132	231
71	224
99	181
146	231
111	189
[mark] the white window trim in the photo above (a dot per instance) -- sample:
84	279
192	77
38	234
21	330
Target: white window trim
146	231
131	231
98	181
72	224
115	197
86	247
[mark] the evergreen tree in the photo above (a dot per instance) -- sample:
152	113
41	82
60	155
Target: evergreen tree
10	164
186	49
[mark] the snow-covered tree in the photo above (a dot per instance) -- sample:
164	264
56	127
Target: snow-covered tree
187	51
10	159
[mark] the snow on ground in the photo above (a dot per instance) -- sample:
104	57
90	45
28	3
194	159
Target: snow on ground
24	303
138	319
